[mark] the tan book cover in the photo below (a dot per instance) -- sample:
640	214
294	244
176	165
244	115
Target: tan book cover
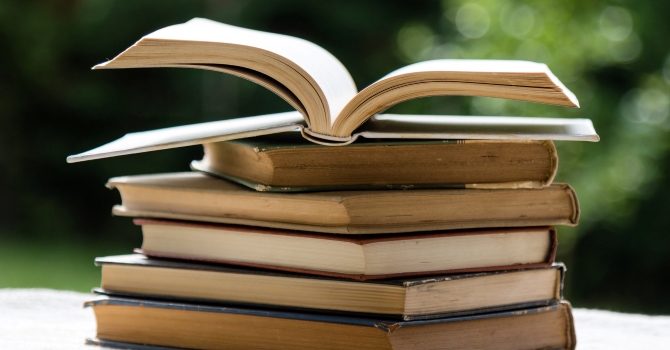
187	325
406	298
198	197
288	163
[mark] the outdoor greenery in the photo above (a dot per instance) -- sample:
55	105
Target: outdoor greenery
614	55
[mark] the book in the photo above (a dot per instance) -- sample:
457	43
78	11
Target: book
317	85
367	257
198	326
288	163
407	298
193	196
329	108
392	127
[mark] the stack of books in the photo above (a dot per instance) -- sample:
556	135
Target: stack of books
417	232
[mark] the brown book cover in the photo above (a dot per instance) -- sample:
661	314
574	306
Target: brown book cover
179	324
198	197
408	298
288	163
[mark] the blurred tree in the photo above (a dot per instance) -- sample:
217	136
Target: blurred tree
612	54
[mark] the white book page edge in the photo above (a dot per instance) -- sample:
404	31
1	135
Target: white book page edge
194	134
383	126
477	128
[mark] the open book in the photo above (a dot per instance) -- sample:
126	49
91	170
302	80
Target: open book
330	110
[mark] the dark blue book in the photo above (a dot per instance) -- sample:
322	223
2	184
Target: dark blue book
138	323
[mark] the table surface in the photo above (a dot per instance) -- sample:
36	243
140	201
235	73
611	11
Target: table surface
54	320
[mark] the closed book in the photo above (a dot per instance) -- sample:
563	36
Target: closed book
198	326
408	298
198	197
364	257
288	163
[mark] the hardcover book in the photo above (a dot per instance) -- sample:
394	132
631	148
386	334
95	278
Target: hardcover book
408	298
288	163
195	326
367	257
197	197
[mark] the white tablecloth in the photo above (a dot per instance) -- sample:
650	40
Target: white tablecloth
54	320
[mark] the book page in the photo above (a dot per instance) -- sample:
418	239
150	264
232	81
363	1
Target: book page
300	65
382	126
518	80
194	134
255	77
512	72
448	127
473	66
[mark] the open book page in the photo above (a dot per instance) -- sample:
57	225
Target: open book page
403	126
316	84
519	80
194	134
312	74
379	127
501	72
255	77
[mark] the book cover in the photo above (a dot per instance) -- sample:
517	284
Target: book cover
288	163
122	320
287	277
197	197
361	241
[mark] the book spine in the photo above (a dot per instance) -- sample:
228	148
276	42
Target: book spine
553	154
571	335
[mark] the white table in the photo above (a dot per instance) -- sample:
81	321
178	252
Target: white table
54	320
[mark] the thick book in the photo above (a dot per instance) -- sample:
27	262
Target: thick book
367	257
407	298
288	163
194	196
139	322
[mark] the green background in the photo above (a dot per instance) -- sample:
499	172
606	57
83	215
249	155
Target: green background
55	218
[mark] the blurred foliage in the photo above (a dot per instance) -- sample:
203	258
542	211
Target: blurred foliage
57	265
613	54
